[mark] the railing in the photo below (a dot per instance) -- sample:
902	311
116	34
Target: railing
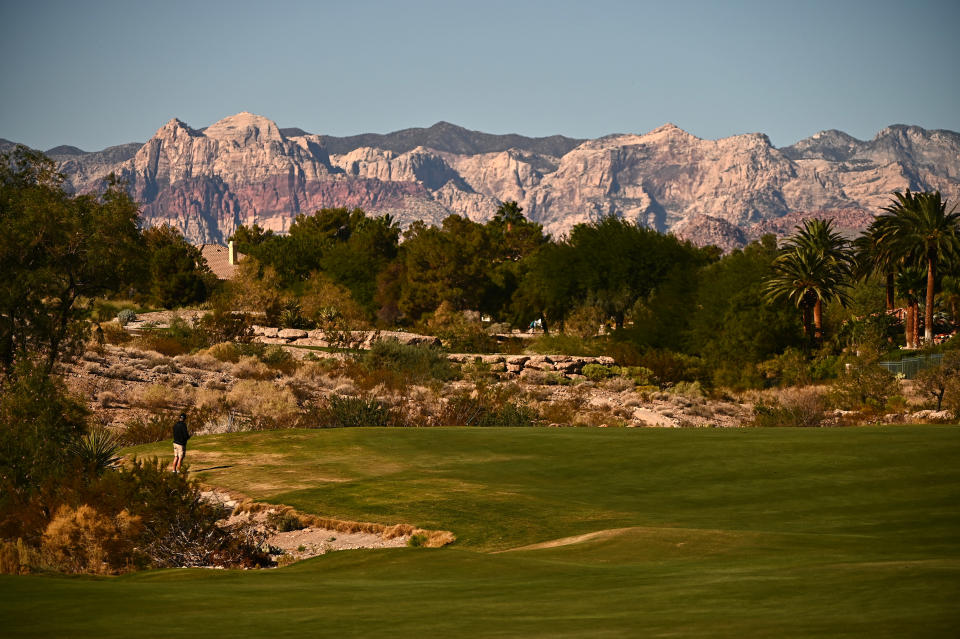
908	367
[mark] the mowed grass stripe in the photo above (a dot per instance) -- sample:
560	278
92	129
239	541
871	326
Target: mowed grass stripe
848	532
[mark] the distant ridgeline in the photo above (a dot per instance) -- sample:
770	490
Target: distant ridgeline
244	170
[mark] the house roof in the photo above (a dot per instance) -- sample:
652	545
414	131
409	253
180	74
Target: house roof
218	259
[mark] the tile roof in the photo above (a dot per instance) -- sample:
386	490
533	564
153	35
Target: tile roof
218	259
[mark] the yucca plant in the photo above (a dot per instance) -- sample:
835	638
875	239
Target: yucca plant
97	450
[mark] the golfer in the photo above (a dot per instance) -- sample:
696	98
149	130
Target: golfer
180	437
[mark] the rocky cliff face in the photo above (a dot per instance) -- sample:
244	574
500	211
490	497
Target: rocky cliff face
245	170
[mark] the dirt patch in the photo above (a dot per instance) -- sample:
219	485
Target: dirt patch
576	539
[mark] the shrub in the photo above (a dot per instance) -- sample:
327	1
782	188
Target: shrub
597	372
126	316
269	406
155	396
225	352
938	381
178	527
284	521
113	333
96	451
415	363
417	540
154	428
86	540
252	368
560	344
465	410
460	331
690	390
347	412
224	325
280	359
800	408
865	385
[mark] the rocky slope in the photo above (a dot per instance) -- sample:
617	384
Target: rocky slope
245	170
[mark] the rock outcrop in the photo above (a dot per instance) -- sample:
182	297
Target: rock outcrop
244	170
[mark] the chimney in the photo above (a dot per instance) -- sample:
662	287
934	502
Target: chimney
232	253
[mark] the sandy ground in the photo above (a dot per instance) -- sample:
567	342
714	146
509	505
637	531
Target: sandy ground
305	543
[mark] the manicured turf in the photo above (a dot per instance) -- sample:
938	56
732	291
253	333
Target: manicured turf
845	532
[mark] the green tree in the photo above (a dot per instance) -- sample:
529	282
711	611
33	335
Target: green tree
731	325
813	267
920	229
56	251
178	273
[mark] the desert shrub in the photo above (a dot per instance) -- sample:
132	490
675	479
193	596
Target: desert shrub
560	344
668	367
416	363
178	528
597	372
113	333
466	410
460	332
417	540
938	381
252	368
690	390
154	428
280	359
107	398
225	352
561	412
284	521
345	412
85	540
585	321
154	396
126	316
16	558
268	406
800	408
618	384
224	325
864	385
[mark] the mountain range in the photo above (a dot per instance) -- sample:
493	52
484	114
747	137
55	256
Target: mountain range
244	169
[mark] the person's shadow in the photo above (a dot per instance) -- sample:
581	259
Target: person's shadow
200	470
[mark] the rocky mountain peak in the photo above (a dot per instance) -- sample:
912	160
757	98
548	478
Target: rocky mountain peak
243	128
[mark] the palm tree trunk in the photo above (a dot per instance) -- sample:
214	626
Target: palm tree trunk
818	320
928	315
890	301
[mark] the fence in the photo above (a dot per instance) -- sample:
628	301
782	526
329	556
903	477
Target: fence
908	367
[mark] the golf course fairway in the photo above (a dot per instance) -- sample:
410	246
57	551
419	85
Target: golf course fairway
563	533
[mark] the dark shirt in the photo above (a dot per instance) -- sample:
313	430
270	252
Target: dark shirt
180	434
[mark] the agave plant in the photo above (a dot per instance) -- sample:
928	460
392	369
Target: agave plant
97	450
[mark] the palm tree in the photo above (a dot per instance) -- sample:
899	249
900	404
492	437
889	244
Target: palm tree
874	255
918	228
910	282
814	266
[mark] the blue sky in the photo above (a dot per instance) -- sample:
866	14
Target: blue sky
94	74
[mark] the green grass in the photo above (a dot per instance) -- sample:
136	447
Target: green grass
730	533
